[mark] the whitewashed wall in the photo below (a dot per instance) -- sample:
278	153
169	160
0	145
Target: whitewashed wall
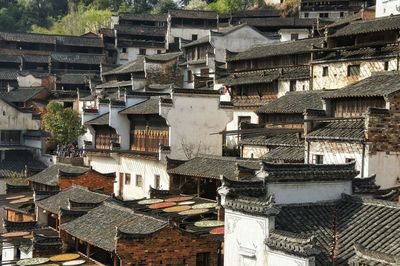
386	8
244	239
11	118
308	192
192	120
286	34
386	166
254	151
276	258
284	86
132	53
233	125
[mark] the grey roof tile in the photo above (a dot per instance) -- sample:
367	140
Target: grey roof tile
379	84
149	106
21	94
163	57
104	119
130	67
286	154
86	59
193	14
282	139
294	102
77	194
350	129
279	48
99	226
49	176
214	166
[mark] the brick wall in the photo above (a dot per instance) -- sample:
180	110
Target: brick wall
167	247
164	73
90	179
383	131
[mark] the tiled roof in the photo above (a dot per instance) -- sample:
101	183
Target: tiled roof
201	40
130	67
286	154
72	78
15	163
282	139
141	30
49	176
379	84
289	172
104	119
277	49
99	226
340	225
351	129
52	39
273	12
213	166
294	102
143	16
20	95
369	26
297	244
193	14
282	22
75	193
163	57
44	59
113	84
86	59
251	77
7	74
10	59
149	106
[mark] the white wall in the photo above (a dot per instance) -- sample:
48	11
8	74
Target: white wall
147	169
254	151
11	118
8	252
308	192
276	258
337	153
284	86
233	125
386	8
185	33
29	81
41	217
192	119
237	41
286	34
132	53
244	239
386	167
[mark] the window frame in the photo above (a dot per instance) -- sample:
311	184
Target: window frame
127	179
139	181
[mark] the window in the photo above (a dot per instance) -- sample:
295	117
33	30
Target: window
157	182
242	120
176	40
325	71
353	70
306	14
294	36
139	181
189	76
318	159
158	51
123	50
323	15
341	14
205	72
194	37
203	259
142	51
127	179
386	66
292	86
349	160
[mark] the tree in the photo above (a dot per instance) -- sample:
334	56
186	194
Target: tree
64	124
227	6
197	5
164	6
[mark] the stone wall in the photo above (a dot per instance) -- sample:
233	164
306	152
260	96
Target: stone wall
167	247
164	73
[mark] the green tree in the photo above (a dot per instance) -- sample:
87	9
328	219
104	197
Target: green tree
163	6
197	5
226	6
64	124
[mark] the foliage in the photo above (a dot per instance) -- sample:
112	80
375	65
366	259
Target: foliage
163	6
64	124
197	5
290	7
78	22
226	6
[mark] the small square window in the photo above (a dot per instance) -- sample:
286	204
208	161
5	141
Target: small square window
139	181
325	71
386	66
349	160
157	181
194	37
127	179
341	14
306	15
292	85
189	76
353	70
123	50
158	51
318	159
142	51
294	36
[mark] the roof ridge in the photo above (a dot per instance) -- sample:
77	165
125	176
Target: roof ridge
371	201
